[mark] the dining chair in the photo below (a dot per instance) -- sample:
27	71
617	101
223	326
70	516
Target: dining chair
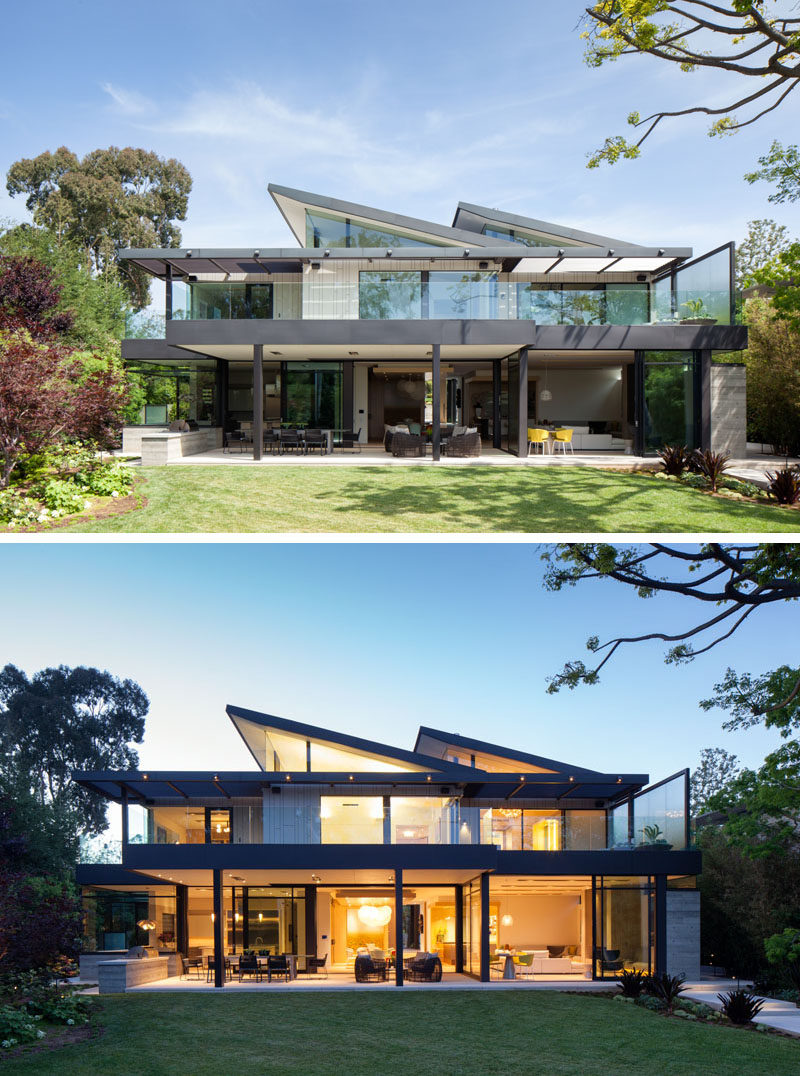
538	437
563	438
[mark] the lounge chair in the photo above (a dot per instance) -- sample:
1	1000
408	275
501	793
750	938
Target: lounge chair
369	968
408	444
463	444
425	967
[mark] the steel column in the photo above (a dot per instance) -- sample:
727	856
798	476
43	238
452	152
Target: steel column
398	927
168	294
258	400
219	954
182	919
124	807
522	415
660	913
497	441
436	436
485	927
459	928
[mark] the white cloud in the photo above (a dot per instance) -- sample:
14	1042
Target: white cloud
128	102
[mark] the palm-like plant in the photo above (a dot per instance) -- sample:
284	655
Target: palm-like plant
740	1006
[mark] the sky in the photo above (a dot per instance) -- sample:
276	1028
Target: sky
374	640
410	107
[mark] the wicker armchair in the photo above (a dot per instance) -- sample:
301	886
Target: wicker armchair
427	968
369	968
408	444
462	444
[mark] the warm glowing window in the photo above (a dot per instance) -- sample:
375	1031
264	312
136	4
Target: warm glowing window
351	819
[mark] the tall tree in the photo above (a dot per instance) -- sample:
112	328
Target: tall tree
773	378
716	768
109	199
30	294
764	241
63	719
752	39
780	166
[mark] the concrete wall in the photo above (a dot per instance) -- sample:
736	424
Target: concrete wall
729	409
132	437
160	448
683	933
117	976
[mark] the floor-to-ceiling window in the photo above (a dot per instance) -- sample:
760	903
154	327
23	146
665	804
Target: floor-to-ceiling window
120	918
624	925
471	927
670	400
313	394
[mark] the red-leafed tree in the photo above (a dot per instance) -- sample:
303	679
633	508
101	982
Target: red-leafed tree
40	921
47	396
29	294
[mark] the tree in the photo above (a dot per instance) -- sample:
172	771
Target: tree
731	581
782	167
64	719
717	767
110	199
35	838
29	293
40	921
47	395
773	378
749	38
764	241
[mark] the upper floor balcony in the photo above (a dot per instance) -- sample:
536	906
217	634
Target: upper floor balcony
699	289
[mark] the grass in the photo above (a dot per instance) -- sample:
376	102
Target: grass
408	499
418	1033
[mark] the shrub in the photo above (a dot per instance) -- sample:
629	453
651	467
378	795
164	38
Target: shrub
18	510
59	1004
666	987
712	465
736	485
675	458
740	1006
62	497
108	480
784	485
16	1027
647	1001
632	983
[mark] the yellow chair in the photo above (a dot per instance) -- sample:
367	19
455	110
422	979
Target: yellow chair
564	439
538	437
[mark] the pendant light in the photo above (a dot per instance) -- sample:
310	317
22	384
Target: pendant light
545	395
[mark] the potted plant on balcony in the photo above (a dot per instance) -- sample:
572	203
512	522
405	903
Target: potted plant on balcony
697	313
652	837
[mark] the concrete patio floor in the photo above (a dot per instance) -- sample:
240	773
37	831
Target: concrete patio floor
752	467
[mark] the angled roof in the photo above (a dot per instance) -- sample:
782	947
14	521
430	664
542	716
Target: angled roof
293	203
431	739
473	218
246	721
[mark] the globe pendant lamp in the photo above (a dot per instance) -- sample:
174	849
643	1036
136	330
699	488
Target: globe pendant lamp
545	395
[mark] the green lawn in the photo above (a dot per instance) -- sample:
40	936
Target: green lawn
414	1034
407	499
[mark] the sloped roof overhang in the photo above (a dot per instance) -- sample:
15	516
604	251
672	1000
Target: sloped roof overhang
473	218
219	263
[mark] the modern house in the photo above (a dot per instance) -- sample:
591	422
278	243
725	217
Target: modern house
333	845
512	321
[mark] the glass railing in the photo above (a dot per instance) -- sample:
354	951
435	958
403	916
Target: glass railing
97	850
496	300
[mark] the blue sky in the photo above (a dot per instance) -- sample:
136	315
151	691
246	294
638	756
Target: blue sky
410	107
375	640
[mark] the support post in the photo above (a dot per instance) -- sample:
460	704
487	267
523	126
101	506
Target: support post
348	419
398	927
660	912
436	434
221	390
258	400
168	294
496	431
485	927
124	810
245	917
705	399
459	928
310	940
181	919
219	954
522	417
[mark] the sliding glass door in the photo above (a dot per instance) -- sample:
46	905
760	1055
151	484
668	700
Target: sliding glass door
669	400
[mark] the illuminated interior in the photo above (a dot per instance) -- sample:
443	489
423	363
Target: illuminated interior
351	819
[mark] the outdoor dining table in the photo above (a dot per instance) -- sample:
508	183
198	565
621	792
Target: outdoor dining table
509	971
291	960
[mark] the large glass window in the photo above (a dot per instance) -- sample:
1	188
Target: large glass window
120	918
389	295
659	815
471	928
541	831
326	230
583	304
671	400
624	926
218	299
707	280
314	395
585	831
493	231
420	820
462	295
179	390
351	819
270	920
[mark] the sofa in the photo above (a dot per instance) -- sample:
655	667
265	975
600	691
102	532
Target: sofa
583	440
